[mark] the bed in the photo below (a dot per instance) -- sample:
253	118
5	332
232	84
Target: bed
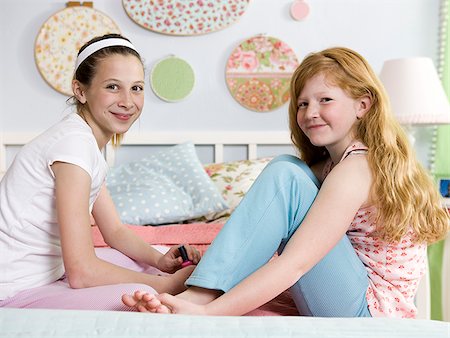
230	161
69	323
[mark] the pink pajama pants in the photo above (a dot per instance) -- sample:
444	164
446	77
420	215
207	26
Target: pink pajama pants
59	295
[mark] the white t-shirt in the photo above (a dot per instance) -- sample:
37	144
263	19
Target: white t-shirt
30	247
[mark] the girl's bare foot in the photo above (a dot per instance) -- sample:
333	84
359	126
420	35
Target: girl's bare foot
177	305
199	295
173	284
164	303
142	301
145	302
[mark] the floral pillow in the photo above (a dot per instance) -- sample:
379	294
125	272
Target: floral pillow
233	180
167	187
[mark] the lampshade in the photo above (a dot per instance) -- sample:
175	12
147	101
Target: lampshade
415	91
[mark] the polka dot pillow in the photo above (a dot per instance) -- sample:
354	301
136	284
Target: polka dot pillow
234	179
168	187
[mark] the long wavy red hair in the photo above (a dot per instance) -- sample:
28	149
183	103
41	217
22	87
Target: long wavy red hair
404	193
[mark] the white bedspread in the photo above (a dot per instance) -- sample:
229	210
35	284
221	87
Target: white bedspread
33	323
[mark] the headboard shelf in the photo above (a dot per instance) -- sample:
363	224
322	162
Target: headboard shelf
217	139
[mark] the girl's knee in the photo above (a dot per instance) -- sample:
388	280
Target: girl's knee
286	158
290	167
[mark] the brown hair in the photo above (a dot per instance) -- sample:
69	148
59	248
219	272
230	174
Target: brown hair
87	69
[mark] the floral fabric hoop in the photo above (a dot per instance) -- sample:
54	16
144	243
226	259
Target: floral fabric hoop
258	73
60	38
185	17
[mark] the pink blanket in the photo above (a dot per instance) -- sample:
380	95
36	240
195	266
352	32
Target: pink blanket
200	235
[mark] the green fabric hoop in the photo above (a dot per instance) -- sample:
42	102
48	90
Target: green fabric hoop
172	79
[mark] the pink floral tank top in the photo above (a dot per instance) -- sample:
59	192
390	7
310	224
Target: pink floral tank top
394	269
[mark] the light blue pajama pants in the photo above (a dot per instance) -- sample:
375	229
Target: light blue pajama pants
264	221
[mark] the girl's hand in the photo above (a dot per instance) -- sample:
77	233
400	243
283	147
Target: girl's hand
171	261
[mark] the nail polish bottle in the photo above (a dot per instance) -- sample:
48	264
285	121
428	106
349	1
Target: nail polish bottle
183	253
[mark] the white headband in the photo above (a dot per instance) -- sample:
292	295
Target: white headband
92	48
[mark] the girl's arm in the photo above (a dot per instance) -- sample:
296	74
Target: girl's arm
120	237
342	193
82	266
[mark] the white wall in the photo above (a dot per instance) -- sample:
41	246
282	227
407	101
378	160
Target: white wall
378	29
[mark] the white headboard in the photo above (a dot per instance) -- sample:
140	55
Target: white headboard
217	139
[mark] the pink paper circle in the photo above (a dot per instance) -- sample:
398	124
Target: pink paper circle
299	10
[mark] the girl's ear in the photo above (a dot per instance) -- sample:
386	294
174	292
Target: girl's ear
364	105
78	91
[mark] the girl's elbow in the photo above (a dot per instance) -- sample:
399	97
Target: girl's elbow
109	242
75	280
78	278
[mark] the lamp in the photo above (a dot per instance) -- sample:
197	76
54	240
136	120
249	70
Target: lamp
415	91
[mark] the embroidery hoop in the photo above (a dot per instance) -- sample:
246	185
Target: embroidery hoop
258	73
185	17
56	49
172	79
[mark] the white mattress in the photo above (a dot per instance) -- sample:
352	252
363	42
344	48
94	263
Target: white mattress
33	323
